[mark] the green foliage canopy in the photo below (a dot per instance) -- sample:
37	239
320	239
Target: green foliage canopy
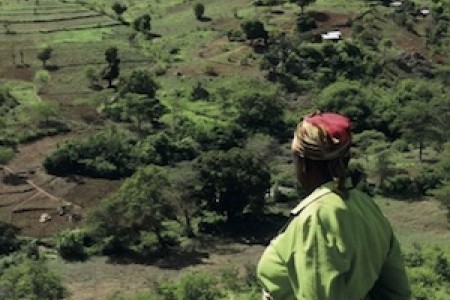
233	179
140	205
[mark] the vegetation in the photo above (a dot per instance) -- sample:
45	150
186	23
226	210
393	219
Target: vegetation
189	132
199	10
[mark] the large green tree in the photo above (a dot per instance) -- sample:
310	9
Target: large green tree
142	108
350	99
31	280
140	205
260	111
418	123
139	81
231	180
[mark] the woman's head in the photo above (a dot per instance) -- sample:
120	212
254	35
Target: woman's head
321	147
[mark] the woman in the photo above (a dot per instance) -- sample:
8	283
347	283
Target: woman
337	245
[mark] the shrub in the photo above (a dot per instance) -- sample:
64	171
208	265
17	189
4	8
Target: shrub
8	238
194	286
427	179
398	185
108	154
305	23
31	280
70	245
6	154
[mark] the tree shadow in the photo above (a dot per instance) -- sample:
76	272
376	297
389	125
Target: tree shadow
151	36
204	19
52	67
173	259
319	16
248	228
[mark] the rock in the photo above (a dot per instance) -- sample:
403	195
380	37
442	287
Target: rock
44	218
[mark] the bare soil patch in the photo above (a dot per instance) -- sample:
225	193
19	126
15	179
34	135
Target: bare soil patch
9	72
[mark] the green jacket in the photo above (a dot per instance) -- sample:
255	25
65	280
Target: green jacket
334	248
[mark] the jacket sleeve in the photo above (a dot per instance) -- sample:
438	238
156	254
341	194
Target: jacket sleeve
393	283
321	261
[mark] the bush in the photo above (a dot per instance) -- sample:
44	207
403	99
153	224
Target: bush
6	154
427	179
194	286
108	154
70	245
398	185
8	238
31	280
305	23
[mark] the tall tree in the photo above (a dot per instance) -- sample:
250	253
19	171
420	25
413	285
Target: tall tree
418	123
140	205
303	3
111	71
143	108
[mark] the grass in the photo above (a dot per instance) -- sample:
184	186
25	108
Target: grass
25	92
417	222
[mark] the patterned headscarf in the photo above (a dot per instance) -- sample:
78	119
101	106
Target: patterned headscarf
322	136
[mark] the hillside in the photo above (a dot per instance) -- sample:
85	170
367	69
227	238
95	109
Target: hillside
90	95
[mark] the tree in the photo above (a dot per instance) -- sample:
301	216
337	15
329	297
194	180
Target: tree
260	111
33	280
8	238
368	140
350	99
231	180
140	205
305	23
199	10
139	81
143	23
111	71
303	3
141	107
44	55
418	123
254	29
185	182
119	8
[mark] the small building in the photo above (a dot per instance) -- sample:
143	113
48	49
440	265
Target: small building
396	4
334	35
424	12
